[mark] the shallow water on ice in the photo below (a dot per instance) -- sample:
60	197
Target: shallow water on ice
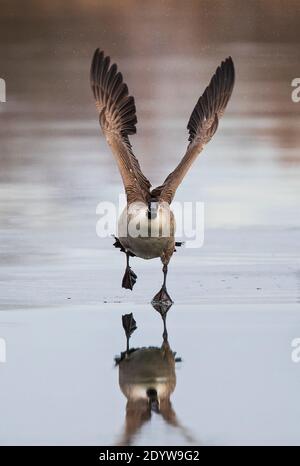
237	297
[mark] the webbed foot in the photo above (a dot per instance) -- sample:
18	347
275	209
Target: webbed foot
162	298
129	278
162	307
129	324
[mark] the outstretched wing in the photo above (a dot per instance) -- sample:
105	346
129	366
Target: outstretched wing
202	126
117	117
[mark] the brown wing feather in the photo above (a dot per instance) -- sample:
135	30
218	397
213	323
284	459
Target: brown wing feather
202	125
117	117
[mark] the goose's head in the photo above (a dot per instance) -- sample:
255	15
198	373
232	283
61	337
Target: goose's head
152	210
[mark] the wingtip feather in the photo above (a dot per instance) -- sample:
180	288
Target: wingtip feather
111	92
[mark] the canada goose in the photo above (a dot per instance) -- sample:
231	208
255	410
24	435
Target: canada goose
146	227
147	378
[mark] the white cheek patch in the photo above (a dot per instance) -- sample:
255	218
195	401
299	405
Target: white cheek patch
135	223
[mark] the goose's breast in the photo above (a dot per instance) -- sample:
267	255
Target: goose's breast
146	248
143	237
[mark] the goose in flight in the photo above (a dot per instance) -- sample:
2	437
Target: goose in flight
146	227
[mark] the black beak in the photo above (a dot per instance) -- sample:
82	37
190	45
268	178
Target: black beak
152	214
152	210
155	406
153	400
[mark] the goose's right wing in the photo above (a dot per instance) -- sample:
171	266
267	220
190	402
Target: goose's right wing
118	119
202	126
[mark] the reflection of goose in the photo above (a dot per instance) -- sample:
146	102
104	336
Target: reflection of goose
147	378
147	225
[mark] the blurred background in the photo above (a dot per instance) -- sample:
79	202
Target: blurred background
55	167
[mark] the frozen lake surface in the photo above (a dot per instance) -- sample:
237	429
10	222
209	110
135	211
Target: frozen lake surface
237	299
236	383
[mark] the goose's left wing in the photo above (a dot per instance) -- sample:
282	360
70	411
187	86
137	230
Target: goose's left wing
202	126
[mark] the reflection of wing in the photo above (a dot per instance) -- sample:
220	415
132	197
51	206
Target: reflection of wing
169	416
202	126
117	118
138	413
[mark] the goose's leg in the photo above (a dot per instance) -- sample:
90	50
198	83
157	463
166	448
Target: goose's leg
130	277
165	333
163	296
